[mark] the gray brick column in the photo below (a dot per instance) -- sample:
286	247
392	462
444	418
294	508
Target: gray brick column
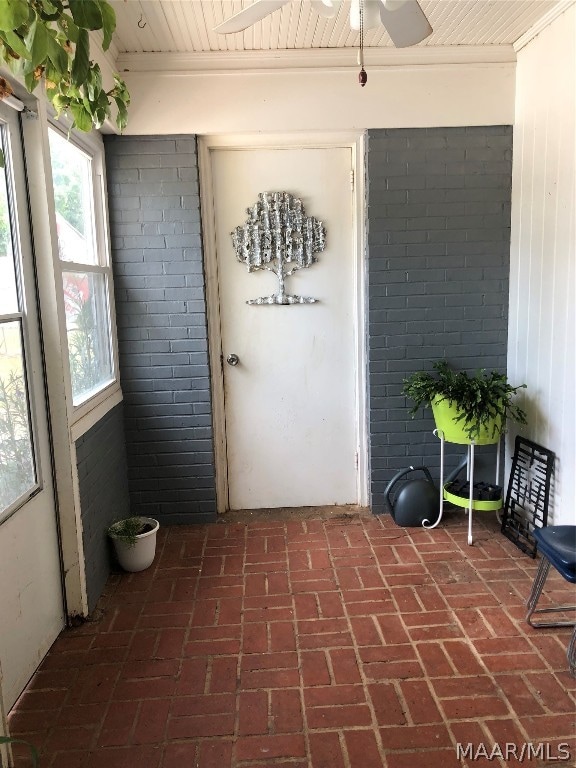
438	265
160	305
103	487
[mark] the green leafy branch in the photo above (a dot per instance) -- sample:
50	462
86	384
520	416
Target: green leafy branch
6	740
48	41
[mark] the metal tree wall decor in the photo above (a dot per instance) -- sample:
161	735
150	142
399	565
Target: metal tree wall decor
279	238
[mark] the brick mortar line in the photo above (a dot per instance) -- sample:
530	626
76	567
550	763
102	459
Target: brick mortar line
414	644
537	696
501	693
305	730
186	633
98	730
172	589
234	735
194	601
396	683
478	657
359	664
523	628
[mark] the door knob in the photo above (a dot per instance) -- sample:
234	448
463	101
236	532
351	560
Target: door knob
232	359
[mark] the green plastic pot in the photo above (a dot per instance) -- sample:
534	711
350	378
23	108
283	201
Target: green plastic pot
445	412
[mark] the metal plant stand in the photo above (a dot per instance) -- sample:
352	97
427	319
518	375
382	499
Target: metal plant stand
469	502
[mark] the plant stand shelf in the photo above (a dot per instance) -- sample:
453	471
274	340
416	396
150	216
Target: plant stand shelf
469	503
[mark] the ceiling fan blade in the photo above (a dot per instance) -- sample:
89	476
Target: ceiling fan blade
405	22
326	8
248	16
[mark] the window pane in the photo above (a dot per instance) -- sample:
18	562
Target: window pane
73	194
8	292
17	470
88	330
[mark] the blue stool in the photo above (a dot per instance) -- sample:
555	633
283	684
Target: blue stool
557	546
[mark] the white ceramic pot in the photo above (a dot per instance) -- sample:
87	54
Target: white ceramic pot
141	555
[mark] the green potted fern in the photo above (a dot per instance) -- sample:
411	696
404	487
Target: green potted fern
134	540
466	408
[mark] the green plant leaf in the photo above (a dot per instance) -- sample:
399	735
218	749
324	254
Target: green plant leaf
2	161
70	29
108	23
93	84
60	103
81	63
86	13
13	13
49	10
81	116
122	116
16	43
58	56
37	42
30	81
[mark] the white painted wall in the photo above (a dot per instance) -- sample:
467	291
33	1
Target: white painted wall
216	102
541	343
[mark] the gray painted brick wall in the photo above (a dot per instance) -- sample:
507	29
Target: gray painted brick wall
438	242
438	265
160	308
102	477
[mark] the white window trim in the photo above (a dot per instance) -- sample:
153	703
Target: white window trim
15	195
85	415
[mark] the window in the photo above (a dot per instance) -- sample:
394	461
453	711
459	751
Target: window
18	473
85	268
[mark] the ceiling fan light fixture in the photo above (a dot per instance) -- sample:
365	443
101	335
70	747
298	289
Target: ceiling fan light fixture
370	12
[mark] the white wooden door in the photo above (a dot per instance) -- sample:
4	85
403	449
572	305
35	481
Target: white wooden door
291	401
31	604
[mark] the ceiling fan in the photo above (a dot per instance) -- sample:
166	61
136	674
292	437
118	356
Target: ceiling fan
404	20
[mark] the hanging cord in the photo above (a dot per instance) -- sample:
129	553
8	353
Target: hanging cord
362	76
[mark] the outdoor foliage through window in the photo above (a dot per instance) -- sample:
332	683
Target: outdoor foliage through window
88	340
17	469
84	278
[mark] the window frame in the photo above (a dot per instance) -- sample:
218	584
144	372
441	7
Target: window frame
88	412
20	234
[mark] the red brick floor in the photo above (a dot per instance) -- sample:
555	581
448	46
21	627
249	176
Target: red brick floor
342	643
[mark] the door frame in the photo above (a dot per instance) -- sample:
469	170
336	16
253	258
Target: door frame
39	406
355	141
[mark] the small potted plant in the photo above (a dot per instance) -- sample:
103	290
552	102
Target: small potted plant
467	408
134	540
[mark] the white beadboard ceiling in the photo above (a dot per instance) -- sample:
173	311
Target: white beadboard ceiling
186	26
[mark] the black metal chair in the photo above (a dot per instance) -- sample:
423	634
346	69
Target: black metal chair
557	546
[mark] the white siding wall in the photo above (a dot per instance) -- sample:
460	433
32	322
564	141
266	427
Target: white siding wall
542	349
